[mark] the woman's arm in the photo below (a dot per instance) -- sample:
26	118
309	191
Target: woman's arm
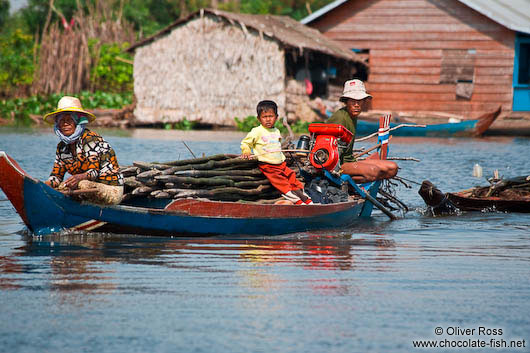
58	171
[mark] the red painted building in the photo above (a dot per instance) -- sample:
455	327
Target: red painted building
464	57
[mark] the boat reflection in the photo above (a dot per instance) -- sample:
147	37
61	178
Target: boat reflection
84	264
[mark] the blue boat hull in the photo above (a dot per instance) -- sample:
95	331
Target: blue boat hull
464	128
45	210
48	211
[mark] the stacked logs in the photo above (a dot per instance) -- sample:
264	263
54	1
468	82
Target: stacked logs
221	177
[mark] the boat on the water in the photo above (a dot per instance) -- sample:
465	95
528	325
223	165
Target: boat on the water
509	195
466	202
450	127
45	210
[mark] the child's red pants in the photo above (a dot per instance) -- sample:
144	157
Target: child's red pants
281	177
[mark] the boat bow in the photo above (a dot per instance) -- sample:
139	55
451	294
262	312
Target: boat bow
12	183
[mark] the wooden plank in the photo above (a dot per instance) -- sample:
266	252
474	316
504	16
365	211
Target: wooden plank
407	53
420	79
486	62
426	16
493	88
462	106
486	71
413	96
492	97
495	54
376	35
494	79
457	65
390	26
401	4
375	88
403	62
392	12
436	15
404	18
384	57
438	96
454	44
390	70
457	75
433	79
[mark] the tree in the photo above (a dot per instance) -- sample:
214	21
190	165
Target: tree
36	12
4	12
296	9
16	62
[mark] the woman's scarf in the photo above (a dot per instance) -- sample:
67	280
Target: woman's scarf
80	122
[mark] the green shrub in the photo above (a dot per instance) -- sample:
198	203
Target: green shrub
21	108
16	61
246	124
109	73
104	100
184	124
251	122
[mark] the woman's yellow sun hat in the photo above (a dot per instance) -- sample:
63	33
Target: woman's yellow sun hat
68	104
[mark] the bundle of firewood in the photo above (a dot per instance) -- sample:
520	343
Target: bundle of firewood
223	177
511	188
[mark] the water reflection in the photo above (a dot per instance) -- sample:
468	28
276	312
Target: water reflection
9	268
76	265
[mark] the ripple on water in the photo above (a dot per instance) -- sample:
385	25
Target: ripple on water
372	287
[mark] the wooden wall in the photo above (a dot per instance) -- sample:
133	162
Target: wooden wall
420	49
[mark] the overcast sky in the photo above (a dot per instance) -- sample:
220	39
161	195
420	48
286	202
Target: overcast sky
16	4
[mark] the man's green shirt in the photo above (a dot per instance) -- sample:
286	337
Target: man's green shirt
342	117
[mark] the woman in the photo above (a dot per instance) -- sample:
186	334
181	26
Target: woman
84	154
355	98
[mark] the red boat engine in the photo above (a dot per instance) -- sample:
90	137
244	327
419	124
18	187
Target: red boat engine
325	142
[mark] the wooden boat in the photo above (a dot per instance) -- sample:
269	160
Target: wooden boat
478	199
465	202
45	210
462	128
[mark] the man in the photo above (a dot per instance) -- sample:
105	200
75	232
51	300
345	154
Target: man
355	99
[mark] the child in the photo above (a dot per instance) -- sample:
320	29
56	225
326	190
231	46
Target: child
265	140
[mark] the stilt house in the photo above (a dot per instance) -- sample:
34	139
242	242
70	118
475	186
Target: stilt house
465	57
213	66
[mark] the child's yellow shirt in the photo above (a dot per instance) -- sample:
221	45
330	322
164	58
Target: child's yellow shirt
265	143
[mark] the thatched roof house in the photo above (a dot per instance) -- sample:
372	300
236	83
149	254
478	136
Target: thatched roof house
213	66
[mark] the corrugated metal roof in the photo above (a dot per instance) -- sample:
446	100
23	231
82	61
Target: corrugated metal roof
513	14
322	11
282	28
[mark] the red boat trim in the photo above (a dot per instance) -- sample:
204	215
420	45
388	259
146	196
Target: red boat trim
12	183
199	208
